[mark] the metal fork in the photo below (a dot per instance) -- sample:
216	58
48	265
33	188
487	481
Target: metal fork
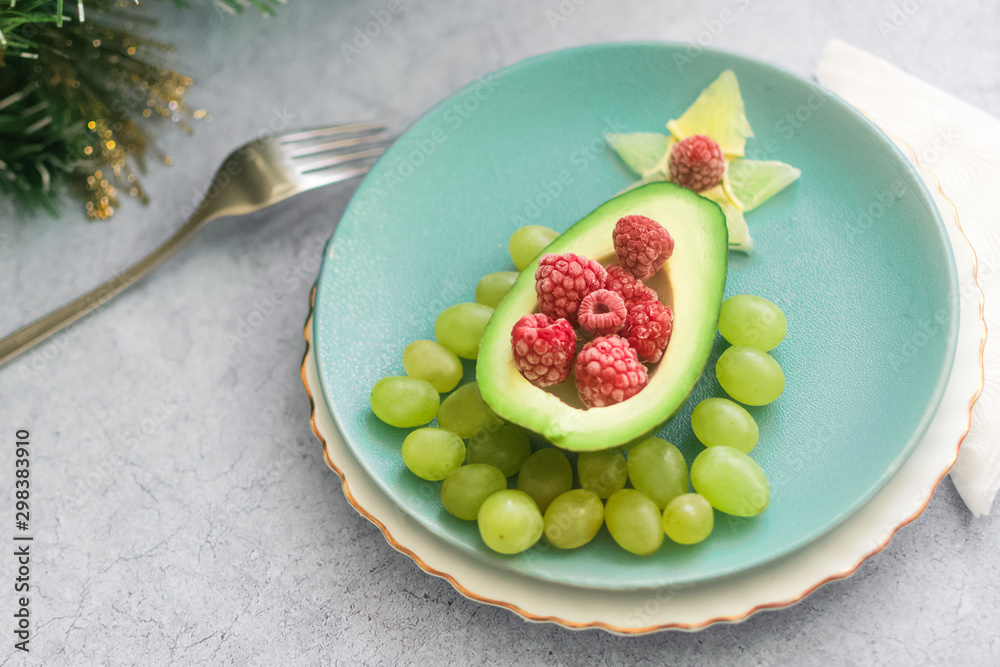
256	175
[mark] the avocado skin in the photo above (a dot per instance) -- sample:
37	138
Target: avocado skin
692	282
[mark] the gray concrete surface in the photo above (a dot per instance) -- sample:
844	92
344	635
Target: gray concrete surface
182	509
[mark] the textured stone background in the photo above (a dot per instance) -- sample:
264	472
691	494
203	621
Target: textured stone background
183	511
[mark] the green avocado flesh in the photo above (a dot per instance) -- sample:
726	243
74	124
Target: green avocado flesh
691	283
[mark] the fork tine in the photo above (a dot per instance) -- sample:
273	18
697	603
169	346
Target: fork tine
313	149
329	131
345	159
330	176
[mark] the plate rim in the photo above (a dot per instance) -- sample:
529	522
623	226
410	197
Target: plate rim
931	406
309	361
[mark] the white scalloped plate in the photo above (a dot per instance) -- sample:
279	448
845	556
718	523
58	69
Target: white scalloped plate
777	584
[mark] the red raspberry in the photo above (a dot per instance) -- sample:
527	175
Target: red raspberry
562	281
631	291
602	312
543	349
608	372
642	245
697	163
647	328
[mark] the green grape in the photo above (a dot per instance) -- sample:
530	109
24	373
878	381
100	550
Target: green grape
460	328
404	401
503	446
527	242
465	411
688	519
509	521
545	475
602	472
720	422
427	360
731	481
464	490
658	469
573	518
753	321
634	522
749	375
433	453
493	287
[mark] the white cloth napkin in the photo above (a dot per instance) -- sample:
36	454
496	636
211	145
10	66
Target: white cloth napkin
960	145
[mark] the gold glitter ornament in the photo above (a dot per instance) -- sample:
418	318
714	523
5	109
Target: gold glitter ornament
76	108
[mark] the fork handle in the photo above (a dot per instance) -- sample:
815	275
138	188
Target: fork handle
27	337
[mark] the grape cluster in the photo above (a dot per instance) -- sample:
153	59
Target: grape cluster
641	494
495	451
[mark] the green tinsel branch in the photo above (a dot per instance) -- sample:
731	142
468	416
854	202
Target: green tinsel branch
77	86
266	6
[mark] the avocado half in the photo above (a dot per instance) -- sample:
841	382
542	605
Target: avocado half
691	283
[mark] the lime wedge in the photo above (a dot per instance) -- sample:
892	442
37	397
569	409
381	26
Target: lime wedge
753	182
727	187
641	151
739	235
718	112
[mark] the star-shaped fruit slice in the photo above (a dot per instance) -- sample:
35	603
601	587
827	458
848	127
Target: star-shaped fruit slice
717	113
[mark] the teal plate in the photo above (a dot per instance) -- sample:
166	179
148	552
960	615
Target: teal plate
855	254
